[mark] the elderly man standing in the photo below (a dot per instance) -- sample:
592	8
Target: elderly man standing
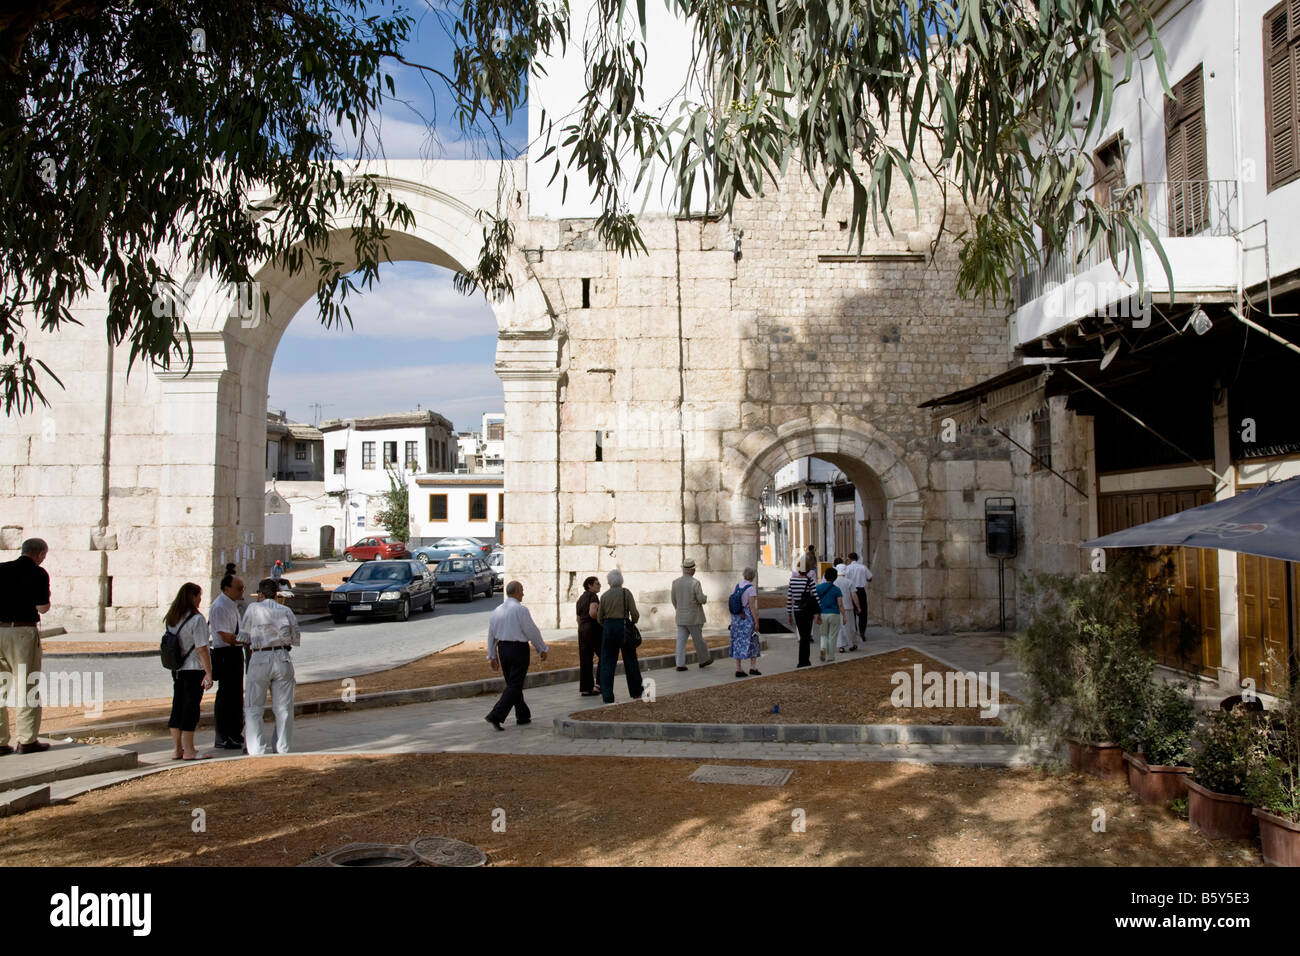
228	664
510	631
269	629
688	598
24	597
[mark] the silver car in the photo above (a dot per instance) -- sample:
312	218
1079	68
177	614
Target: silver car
497	562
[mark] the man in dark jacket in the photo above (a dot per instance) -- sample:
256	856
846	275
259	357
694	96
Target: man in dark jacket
24	597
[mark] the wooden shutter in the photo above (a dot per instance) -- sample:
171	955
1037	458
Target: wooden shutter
1263	621
1185	155
1280	68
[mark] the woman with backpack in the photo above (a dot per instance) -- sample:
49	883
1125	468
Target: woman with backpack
743	605
194	675
830	600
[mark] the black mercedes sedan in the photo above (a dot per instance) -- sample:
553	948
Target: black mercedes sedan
384	588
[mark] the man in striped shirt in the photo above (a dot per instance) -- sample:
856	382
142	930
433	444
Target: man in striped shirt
801	581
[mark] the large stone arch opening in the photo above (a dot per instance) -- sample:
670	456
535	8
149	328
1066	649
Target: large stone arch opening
890	494
214	414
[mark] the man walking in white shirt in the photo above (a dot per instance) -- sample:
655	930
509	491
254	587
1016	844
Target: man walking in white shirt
858	575
510	631
269	629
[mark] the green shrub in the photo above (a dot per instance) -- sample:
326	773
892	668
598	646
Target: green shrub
1228	738
1273	777
1086	675
1164	736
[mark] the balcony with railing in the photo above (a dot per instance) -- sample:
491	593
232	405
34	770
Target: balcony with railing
1195	221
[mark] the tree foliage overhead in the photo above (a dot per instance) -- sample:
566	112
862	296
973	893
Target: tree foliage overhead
995	99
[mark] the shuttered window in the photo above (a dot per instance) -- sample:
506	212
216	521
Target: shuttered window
1281	105
1188	172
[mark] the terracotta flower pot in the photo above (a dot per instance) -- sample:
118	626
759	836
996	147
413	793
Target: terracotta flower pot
1100	760
1279	838
1219	816
1156	783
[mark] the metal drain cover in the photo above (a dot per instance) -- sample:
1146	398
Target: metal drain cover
444	851
745	776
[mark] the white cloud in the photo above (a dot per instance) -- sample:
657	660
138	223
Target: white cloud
412	308
460	393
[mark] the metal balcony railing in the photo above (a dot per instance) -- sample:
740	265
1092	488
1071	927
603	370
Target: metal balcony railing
1174	209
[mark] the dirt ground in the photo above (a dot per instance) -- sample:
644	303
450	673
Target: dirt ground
570	811
66	648
852	691
462	662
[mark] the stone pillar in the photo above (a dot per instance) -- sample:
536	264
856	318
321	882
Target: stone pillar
527	364
905	605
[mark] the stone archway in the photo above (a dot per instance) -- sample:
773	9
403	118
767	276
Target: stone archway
875	464
214	414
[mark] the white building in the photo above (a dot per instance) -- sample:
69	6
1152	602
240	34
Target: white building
494	442
361	453
811	501
443	505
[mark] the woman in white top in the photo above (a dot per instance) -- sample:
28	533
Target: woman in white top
194	675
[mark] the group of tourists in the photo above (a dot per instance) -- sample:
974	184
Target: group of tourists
838	605
245	655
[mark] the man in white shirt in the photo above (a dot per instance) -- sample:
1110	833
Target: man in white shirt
227	664
269	629
847	639
510	631
859	574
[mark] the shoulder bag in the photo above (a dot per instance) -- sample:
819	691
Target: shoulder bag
631	633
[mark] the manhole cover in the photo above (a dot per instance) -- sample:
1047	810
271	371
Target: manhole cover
367	854
444	851
746	776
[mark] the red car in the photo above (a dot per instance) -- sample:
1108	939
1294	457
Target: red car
380	549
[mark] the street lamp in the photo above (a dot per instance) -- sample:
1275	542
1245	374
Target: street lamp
808	498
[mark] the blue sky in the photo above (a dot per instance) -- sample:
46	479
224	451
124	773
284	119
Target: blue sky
415	340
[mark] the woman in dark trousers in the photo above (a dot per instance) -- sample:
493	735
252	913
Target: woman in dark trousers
194	676
801	582
589	635
617	606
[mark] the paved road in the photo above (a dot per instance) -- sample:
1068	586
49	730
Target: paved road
329	651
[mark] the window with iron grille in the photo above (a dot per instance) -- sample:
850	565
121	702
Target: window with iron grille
368	454
1281	92
437	507
300	451
496	431
478	507
1042	445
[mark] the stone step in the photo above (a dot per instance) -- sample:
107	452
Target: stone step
61	762
23	799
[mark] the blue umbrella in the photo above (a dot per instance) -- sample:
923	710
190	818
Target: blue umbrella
1264	521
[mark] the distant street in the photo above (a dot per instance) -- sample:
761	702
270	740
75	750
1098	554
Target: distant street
329	651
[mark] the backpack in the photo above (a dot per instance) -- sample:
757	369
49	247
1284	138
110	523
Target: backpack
172	652
736	603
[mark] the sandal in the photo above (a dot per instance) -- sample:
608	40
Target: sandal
199	757
741	674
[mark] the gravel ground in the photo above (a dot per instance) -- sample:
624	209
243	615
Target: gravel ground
571	811
852	691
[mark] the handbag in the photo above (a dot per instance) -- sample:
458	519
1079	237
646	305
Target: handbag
631	633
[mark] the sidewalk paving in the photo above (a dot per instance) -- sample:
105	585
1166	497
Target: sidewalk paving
458	725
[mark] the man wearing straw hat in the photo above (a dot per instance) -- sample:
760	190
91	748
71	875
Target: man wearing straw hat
689	600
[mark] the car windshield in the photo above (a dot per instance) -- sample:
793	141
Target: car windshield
382	572
454	566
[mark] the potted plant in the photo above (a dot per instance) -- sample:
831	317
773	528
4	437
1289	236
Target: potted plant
1158	768
1216	800
1086	675
1273	783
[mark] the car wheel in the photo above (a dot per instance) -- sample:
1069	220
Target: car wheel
424	558
339	618
404	612
349	557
